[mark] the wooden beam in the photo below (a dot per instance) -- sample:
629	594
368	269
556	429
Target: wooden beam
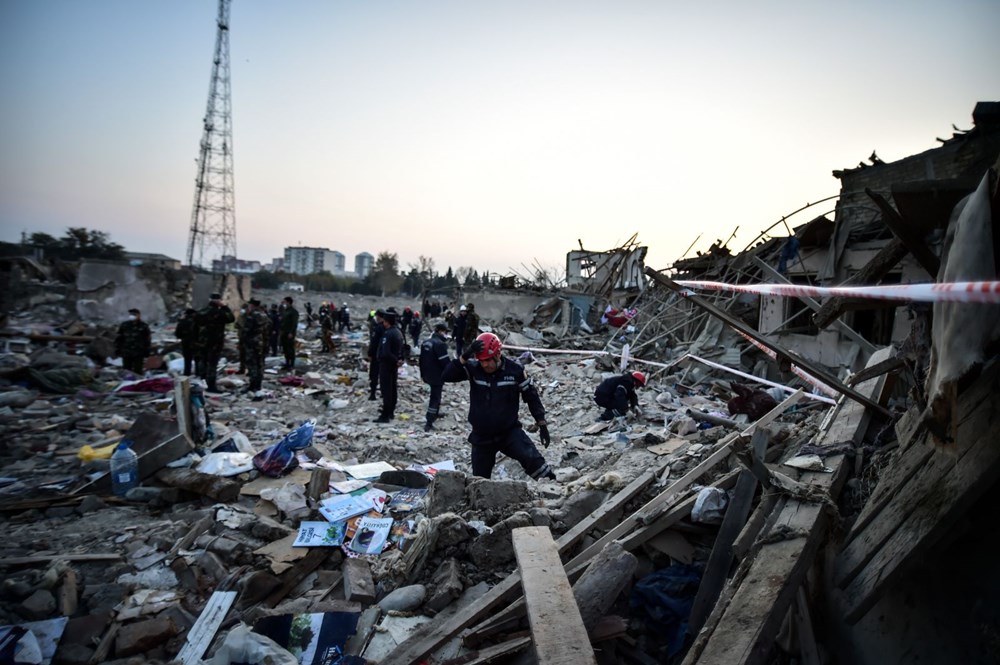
746	630
845	329
884	261
809	366
556	625
928	505
204	629
904	231
182	405
721	558
150	462
49	558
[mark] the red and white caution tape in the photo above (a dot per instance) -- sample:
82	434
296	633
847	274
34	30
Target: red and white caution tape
756	379
796	370
970	292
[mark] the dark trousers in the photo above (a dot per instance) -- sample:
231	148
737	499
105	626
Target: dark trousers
515	444
616	405
255	366
373	375
133	364
387	376
458	348
288	348
208	366
274	343
434	405
189	358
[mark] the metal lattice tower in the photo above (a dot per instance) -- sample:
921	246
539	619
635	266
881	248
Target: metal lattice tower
213	219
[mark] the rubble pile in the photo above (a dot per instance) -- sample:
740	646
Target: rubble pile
377	524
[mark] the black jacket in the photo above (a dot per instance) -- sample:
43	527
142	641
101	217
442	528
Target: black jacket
433	359
375	339
494	399
623	384
390	348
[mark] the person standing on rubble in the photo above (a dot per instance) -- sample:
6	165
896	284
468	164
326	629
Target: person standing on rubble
471	324
187	332
374	340
390	358
289	328
326	328
617	394
496	387
416	325
433	359
255	333
458	330
275	329
240	348
212	321
344	317
133	342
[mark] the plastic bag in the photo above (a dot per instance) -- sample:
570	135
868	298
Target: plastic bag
710	506
279	459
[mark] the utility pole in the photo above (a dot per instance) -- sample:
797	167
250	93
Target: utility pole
213	217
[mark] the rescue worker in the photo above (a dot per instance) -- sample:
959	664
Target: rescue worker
309	314
433	359
617	394
344	318
254	337
390	358
404	320
133	342
374	340
496	387
240	349
289	328
212	321
416	325
187	332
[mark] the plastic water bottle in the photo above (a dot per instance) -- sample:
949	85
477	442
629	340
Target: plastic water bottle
124	468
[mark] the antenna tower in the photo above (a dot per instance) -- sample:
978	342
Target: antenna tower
213	219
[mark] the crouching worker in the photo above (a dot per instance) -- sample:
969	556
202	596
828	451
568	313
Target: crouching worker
496	387
617	394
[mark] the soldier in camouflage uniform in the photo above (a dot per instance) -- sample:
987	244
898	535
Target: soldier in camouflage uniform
241	350
133	342
212	321
289	328
254	337
187	332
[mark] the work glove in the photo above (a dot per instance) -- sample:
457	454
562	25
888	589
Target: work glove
473	349
543	434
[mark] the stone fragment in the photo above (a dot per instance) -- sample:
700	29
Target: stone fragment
404	599
447	493
490	494
141	636
212	565
73	654
91	503
451	530
39	605
491	550
581	505
446	585
540	517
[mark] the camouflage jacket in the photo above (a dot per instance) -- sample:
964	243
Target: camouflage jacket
133	339
256	329
212	323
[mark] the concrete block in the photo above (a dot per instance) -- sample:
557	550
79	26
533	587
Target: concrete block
446	585
492	550
447	493
39	605
142	636
491	494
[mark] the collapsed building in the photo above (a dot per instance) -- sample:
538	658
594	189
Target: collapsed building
834	505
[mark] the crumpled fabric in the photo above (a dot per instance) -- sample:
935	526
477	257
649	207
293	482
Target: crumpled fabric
279	459
62	381
160	384
665	598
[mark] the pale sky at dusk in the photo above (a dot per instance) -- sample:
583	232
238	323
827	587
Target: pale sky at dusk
489	134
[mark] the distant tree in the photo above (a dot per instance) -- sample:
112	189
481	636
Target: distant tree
265	279
77	243
385	274
471	279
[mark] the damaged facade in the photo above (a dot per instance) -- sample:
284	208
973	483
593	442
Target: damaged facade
843	520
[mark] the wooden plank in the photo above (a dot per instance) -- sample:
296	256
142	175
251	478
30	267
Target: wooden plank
363	633
807	639
929	505
488	655
746	630
906	234
204	629
49	558
812	368
435	633
870	273
182	405
295	574
150	462
556	626
721	558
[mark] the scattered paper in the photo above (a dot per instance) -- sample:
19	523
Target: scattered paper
372	535
368	471
320	534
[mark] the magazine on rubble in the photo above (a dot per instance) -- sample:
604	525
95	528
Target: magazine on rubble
345	506
312	638
409	500
372	535
320	534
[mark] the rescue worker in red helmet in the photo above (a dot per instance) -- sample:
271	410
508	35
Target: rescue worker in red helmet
496	387
617	394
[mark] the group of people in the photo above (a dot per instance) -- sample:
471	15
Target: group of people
497	384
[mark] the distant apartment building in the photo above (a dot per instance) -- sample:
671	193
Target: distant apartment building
338	263
277	264
363	264
233	264
147	259
307	260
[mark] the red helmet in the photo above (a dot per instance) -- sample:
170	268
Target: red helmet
639	377
491	346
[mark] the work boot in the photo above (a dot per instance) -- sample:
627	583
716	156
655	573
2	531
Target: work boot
429	426
371	397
